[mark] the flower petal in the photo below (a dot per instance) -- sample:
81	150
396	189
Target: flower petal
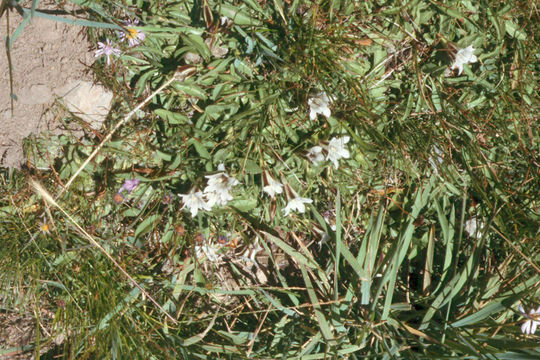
525	328
312	114
326	112
534	324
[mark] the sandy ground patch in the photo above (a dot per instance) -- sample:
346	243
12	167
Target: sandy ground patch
46	57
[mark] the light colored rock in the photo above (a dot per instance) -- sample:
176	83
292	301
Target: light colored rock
90	102
192	58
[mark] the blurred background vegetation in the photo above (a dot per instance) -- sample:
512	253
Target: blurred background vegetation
385	263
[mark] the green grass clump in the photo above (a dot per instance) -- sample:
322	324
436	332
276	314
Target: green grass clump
385	262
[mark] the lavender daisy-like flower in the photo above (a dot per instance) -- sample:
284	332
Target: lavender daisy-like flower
532	322
133	36
106	49
129	185
44	226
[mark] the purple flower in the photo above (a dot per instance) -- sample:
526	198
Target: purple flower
133	36
222	239
129	185
532	322
107	50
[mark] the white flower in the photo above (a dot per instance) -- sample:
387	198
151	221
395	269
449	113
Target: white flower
107	50
319	105
274	187
133	36
195	202
218	189
474	227
296	204
211	251
464	56
315	155
337	150
530	325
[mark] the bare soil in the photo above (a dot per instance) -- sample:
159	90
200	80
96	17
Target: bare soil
45	57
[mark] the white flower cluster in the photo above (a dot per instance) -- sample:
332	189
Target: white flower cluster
217	192
335	150
274	187
218	189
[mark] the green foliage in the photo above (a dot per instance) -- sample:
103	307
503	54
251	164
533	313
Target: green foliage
382	264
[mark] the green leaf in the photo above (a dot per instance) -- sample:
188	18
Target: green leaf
200	148
199	45
486	311
147	224
190	89
243	68
74	21
405	238
121	307
319	314
171	117
514	31
244	205
252	167
163	156
240	17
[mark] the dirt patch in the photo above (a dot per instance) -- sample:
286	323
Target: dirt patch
16	333
45	57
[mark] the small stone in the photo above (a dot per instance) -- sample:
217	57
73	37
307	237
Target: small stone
192	58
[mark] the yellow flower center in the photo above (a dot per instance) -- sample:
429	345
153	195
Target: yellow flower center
44	227
132	33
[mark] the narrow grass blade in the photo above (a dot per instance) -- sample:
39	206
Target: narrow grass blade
324	326
422	197
199	337
78	22
300	258
428	267
368	257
